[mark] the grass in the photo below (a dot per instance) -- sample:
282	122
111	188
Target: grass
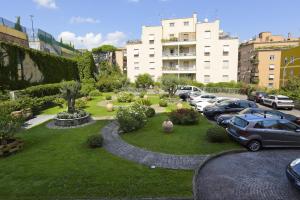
183	140
56	164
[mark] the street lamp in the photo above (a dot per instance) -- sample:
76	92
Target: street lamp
284	69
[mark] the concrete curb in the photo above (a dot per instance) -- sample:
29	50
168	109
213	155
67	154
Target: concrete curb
207	160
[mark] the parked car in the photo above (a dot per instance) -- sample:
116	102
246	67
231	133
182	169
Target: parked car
187	89
256	131
204	97
223	120
293	173
257	96
278	101
201	105
230	106
187	95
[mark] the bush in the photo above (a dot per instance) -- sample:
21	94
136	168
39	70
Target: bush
111	83
216	134
163	96
184	116
87	86
108	97
142	94
163	103
131	118
43	90
80	103
8	127
149	111
95	93
144	81
145	102
95	141
125	97
59	101
86	66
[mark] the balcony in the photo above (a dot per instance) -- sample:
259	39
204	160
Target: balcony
179	56
183	39
179	69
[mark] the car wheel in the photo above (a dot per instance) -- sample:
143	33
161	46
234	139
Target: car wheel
274	106
254	145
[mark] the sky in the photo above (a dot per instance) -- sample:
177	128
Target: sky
91	23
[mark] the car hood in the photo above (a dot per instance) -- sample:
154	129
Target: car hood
214	107
227	116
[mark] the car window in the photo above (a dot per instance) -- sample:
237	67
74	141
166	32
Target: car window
283	98
288	126
244	104
195	89
240	122
271	97
187	88
267	124
234	105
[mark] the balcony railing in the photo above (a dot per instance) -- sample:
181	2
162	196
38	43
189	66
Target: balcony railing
180	54
178	40
180	68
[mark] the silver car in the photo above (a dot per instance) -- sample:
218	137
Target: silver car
256	131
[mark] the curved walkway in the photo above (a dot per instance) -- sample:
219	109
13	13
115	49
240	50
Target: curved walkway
248	175
115	145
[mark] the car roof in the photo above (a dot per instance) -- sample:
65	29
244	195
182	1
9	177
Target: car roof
257	117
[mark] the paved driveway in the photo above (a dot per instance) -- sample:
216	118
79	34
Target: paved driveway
247	176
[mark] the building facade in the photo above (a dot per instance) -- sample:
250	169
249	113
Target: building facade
290	64
260	59
184	47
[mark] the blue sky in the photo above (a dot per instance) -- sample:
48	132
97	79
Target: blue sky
89	23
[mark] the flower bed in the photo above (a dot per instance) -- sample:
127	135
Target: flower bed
77	118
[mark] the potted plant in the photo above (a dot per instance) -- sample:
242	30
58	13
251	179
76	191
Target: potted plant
167	126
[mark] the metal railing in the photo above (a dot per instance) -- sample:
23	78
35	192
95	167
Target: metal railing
10	24
180	54
180	68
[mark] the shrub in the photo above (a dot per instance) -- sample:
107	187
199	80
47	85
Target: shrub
184	116
216	134
87	86
76	114
43	90
86	66
170	83
131	118
95	141
125	97
149	111
142	94
8	127
59	101
144	81
111	83
95	93
145	102
163	96
80	103
163	103
108	97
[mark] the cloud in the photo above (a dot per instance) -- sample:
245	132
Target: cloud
80	20
92	40
46	3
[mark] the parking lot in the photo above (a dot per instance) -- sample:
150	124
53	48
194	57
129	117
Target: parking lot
259	176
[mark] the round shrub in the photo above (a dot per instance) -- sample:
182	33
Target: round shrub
80	103
142	94
163	103
162	96
95	93
149	111
131	118
145	102
95	141
184	116
108	97
125	97
216	134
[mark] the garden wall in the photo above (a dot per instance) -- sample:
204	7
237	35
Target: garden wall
21	67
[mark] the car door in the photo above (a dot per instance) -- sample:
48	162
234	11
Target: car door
289	133
267	100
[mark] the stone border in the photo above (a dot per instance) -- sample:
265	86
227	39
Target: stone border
51	125
210	158
114	144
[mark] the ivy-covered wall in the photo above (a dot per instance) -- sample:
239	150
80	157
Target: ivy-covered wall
21	67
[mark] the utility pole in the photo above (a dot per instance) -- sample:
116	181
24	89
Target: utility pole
31	18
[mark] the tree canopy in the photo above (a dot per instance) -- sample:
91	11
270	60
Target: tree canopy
104	48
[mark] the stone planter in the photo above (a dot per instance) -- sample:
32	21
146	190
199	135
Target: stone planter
72	122
12	146
167	126
25	113
179	106
109	107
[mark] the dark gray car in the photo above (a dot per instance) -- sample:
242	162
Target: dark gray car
256	131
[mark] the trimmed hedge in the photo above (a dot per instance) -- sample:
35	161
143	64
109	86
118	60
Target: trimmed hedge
184	116
43	90
216	134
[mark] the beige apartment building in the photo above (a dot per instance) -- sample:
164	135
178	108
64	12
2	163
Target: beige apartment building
184	47
260	59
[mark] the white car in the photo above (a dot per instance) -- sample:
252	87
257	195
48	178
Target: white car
278	101
201	105
187	89
201	98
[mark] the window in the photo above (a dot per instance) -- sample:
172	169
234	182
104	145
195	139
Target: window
136	68
272	57
206	78
172	24
186	23
207	35
271	76
207	50
288	126
206	64
270	85
292	60
172	35
271	67
136	53
136	63
267	124
285	60
225	64
151	51
225	50
151	41
151	55
225	78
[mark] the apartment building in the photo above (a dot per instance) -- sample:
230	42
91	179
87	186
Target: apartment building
260	59
290	64
184	47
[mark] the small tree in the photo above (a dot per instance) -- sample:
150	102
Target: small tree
18	24
8	127
170	83
144	81
70	91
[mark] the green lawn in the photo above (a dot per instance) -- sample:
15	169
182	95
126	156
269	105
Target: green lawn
56	164
183	140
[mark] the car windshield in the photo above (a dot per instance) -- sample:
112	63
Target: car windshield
240	122
224	103
283	98
212	101
247	111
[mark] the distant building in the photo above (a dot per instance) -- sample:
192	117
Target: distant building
290	64
184	47
43	41
260	59
9	34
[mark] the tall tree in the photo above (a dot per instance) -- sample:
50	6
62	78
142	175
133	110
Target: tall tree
18	24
